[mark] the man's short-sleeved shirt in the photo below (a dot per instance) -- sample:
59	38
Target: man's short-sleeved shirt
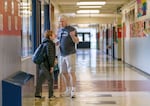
67	46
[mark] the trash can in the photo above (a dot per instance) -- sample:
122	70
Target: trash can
18	90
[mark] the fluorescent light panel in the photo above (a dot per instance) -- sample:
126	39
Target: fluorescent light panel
90	6
98	15
83	25
88	11
91	3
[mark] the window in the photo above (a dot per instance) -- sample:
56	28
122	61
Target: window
87	37
26	14
80	36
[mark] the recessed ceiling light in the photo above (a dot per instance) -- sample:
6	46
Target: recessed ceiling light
83	25
88	11
91	3
90	6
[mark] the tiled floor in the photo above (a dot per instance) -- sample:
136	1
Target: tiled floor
102	81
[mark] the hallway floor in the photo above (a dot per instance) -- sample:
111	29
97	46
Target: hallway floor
102	81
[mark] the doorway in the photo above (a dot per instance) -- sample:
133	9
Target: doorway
84	40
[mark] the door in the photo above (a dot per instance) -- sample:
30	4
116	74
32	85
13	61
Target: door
84	40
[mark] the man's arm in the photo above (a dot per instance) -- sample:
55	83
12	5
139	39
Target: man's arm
74	37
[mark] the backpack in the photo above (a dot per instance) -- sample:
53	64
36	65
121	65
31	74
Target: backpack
39	54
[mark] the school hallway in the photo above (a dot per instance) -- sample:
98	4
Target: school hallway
103	81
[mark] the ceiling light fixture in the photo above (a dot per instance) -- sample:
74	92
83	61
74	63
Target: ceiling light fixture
90	6
88	11
91	3
83	25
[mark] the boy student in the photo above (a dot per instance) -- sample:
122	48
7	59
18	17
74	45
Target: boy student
46	67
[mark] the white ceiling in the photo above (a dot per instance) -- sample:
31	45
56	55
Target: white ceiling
111	7
109	13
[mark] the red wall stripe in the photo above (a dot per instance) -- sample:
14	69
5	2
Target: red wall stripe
7	21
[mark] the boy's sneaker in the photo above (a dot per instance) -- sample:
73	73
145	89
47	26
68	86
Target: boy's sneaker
52	98
73	94
39	97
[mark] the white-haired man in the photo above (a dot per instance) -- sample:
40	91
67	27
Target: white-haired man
68	38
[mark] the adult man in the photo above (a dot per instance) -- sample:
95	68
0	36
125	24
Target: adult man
67	38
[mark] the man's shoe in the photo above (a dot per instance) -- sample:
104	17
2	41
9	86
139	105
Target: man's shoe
67	93
73	94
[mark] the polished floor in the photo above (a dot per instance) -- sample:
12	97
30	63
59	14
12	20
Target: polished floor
103	81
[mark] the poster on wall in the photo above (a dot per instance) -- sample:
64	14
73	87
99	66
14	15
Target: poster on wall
136	29
141	8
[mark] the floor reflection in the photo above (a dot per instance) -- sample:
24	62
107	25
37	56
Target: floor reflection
103	81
